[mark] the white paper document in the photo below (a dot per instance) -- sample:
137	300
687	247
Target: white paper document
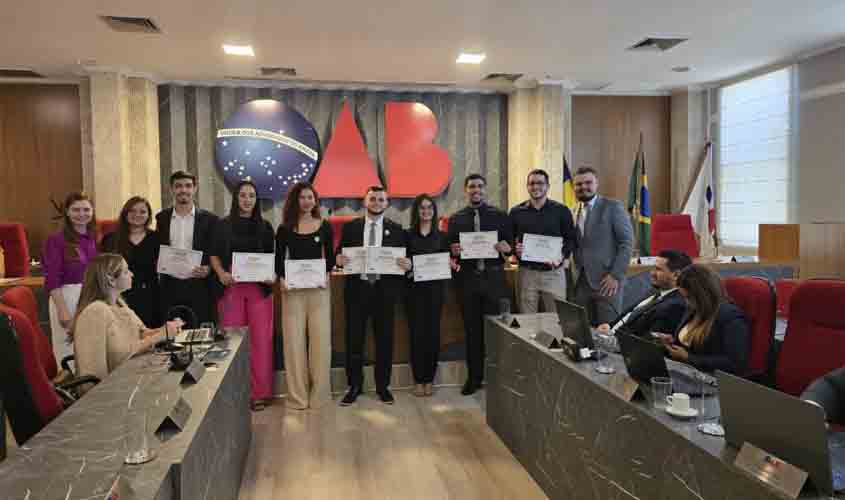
382	260
479	245
357	260
538	248
305	273
177	262
432	266
253	267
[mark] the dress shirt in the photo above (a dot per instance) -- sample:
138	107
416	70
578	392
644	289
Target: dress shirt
552	219
648	300
182	229
59	268
379	222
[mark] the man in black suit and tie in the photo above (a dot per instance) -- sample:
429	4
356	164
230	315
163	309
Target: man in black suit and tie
661	311
187	227
370	295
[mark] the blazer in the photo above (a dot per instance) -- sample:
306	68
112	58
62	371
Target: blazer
492	219
829	392
607	243
663	315
205	223
352	235
727	346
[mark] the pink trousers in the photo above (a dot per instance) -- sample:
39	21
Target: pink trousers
244	304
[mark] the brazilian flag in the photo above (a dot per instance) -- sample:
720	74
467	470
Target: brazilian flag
639	206
568	188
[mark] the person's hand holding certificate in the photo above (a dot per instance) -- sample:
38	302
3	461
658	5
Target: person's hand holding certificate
253	267
305	273
432	266
479	245
382	260
357	262
543	249
177	262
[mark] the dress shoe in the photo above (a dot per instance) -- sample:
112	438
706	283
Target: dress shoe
419	390
386	397
351	395
469	388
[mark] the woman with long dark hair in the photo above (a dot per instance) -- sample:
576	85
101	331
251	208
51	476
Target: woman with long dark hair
304	234
66	254
138	244
247	304
714	334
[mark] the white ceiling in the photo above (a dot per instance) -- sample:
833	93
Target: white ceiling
399	41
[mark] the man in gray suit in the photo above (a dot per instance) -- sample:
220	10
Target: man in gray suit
603	253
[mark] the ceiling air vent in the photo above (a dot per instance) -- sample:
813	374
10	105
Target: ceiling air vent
507	77
277	71
125	24
19	73
657	44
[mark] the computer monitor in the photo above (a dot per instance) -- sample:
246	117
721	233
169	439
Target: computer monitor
574	323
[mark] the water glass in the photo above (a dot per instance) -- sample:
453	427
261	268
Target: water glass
661	388
601	344
136	438
505	309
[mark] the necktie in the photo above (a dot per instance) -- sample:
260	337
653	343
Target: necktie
582	217
479	264
371	242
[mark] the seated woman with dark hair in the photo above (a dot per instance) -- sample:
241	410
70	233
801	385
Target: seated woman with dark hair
714	333
829	393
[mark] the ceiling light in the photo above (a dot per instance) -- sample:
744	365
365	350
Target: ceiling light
239	50
468	58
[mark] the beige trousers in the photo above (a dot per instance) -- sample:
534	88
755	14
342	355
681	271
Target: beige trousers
545	285
306	319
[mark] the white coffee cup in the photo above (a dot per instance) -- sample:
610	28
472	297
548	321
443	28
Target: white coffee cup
679	402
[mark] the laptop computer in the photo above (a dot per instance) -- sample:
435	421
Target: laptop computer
574	323
195	336
645	359
785	426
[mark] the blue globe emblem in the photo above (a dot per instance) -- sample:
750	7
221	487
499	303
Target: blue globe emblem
270	144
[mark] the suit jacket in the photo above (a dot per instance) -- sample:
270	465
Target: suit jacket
205	223
664	314
352	235
606	245
829	392
727	346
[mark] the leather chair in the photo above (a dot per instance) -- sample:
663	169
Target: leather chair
104	227
756	297
22	299
337	222
673	232
785	288
15	249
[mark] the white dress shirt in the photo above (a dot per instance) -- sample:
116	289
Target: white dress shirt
182	229
648	300
379	222
582	213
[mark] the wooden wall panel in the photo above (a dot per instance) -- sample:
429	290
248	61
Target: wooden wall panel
605	136
779	242
40	154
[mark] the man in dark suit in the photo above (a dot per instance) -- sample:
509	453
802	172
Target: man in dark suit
829	393
661	311
187	227
481	282
370	296
605	239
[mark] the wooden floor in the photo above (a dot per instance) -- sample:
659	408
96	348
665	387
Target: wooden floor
420	448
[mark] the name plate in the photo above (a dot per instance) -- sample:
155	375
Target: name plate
547	340
194	372
174	417
624	386
782	476
745	259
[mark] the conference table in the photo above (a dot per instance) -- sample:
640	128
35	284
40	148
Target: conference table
79	455
579	439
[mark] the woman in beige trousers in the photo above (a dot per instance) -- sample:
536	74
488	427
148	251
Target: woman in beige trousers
306	311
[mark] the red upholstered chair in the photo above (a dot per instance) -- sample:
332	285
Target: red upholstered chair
22	299
673	232
784	289
443	224
104	227
15	249
815	335
756	297
337	222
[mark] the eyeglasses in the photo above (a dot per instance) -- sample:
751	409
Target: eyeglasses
537	183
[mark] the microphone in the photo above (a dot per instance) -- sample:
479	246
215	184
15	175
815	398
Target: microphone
180	360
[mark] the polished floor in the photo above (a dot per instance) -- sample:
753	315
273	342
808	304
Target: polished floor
420	448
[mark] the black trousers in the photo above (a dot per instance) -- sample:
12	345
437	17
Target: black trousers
425	303
194	293
144	299
364	301
480	295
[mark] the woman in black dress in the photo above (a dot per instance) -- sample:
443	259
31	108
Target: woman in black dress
138	244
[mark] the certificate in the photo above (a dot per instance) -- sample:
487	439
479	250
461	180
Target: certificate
432	266
357	260
382	260
537	248
177	262
253	267
305	273
479	245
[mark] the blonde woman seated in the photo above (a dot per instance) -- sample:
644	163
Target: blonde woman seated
106	332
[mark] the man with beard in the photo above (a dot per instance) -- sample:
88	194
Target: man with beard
370	296
481	282
544	217
605	239
187	227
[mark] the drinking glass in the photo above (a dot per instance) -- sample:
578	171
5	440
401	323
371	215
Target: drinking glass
505	310
602	342
136	438
661	388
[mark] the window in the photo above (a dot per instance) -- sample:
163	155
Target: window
755	148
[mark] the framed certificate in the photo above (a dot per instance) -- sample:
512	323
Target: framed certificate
305	273
538	248
253	267
357	260
432	266
479	245
382	260
177	262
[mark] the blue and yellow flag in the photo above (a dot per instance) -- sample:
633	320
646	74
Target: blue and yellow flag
639	205
568	188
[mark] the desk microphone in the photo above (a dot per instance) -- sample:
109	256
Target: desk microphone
179	358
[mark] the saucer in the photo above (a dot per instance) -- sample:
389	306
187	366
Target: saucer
690	413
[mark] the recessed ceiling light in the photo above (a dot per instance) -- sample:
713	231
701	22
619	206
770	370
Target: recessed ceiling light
469	58
681	69
239	50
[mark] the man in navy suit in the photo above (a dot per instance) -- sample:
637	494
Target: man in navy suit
370	296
